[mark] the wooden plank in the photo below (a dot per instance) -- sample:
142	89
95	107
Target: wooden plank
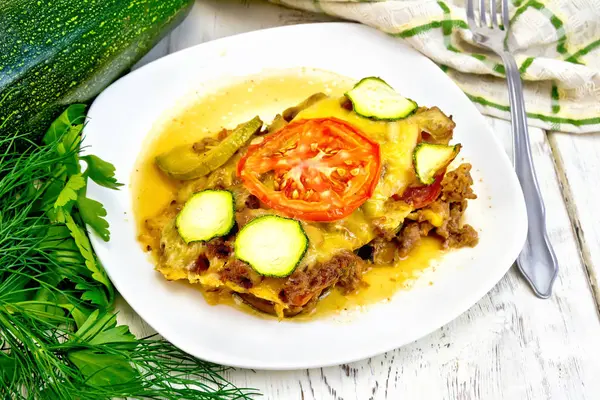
213	19
509	345
578	162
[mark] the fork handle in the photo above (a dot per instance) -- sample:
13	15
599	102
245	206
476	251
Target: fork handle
537	261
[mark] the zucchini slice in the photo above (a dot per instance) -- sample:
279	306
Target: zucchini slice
429	159
272	245
206	215
373	98
184	163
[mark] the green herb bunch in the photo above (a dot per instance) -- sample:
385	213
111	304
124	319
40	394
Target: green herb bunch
59	338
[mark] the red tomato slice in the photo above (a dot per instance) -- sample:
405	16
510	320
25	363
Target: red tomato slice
316	169
420	196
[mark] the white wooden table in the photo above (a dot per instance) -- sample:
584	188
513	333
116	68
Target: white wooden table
510	345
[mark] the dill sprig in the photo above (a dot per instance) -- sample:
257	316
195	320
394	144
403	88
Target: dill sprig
59	338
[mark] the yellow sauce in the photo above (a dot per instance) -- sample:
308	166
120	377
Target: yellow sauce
264	95
382	282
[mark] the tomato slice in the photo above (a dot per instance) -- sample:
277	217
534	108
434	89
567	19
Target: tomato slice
420	196
318	169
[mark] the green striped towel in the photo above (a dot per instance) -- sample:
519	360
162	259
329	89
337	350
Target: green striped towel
556	43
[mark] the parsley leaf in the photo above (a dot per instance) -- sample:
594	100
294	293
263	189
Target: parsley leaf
66	131
101	172
69	193
97	366
93	213
93	293
93	325
79	314
73	115
61	246
116	334
46	203
84	246
102	369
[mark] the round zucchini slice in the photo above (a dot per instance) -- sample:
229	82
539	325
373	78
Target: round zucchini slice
373	98
272	245
206	215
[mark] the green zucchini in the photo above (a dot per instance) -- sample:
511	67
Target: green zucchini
184	163
429	159
373	98
55	53
206	215
272	245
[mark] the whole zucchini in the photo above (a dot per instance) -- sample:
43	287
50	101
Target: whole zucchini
55	53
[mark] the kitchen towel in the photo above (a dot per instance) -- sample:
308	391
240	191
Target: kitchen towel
556	44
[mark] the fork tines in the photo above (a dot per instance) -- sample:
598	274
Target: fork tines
493	14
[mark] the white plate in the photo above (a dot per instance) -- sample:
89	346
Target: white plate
122	115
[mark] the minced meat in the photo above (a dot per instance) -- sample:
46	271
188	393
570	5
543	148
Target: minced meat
456	190
240	273
451	205
219	248
455	234
344	270
408	238
456	185
252	202
201	264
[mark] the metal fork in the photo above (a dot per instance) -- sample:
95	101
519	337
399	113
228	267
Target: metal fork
537	261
